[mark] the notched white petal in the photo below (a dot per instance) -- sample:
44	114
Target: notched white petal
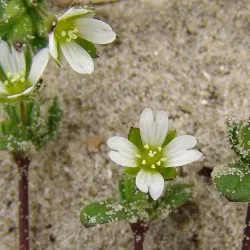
141	181
78	58
53	46
147	126
39	64
161	127
76	12
121	159
181	143
121	144
10	59
95	30
156	186
151	182
183	157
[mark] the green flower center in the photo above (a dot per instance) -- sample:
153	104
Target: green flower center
151	159
65	32
16	83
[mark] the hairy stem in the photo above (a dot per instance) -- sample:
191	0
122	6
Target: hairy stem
246	236
22	112
23	167
139	229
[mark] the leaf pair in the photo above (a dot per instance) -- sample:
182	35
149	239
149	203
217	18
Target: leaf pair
29	125
133	204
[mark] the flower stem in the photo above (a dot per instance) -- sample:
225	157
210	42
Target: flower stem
42	11
22	112
23	166
139	229
246	236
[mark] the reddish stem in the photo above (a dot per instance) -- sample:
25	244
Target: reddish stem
23	167
139	229
246	237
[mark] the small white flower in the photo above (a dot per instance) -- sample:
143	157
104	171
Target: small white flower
73	33
19	79
155	155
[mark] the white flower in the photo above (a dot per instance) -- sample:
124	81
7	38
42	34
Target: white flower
19	79
154	154
73	36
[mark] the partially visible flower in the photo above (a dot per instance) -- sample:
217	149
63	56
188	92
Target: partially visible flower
74	35
19	77
154	155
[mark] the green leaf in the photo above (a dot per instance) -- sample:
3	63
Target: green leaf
12	112
39	127
233	182
22	30
2	8
175	195
3	143
168	173
129	192
135	137
169	137
104	212
239	136
14	9
89	47
55	114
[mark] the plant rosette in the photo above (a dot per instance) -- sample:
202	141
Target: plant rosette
152	152
73	36
20	73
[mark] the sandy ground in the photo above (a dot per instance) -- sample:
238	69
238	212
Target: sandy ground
188	57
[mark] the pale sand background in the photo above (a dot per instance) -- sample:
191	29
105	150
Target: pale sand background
188	57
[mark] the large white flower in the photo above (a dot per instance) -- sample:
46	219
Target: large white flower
19	77
74	35
153	155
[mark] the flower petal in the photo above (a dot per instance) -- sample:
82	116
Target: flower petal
157	185
11	60
95	31
78	58
182	157
2	88
161	127
147	126
121	159
53	46
24	93
122	144
39	64
124	153
150	181
182	142
73	12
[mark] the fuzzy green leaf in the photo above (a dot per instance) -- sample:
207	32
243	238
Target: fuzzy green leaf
37	129
14	9
22	30
239	136
129	192
233	182
104	212
3	143
2	8
176	194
